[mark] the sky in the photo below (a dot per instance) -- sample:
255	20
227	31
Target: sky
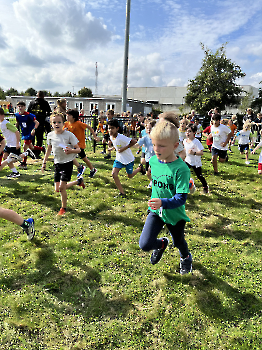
54	44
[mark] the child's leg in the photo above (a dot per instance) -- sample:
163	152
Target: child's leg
246	154
137	170
116	179
11	215
178	236
148	239
75	162
214	163
61	187
198	172
88	163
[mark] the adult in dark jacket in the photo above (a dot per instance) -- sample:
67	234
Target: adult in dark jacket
41	109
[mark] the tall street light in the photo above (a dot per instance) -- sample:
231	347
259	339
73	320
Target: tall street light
125	70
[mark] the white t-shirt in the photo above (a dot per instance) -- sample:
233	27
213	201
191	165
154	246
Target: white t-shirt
243	137
10	136
59	142
125	157
196	146
220	134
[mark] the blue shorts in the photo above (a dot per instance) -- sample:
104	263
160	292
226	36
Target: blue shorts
129	166
243	148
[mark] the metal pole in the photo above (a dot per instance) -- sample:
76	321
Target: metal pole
125	70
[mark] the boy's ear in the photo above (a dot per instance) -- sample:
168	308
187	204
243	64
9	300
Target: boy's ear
176	145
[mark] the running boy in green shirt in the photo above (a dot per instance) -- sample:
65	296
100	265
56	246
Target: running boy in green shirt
170	185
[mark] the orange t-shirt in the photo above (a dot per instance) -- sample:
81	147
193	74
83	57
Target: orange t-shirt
78	129
233	128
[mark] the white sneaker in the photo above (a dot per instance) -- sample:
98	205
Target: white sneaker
247	162
149	185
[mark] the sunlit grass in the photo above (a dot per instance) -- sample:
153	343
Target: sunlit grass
83	282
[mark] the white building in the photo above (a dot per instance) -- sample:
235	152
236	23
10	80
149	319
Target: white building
168	98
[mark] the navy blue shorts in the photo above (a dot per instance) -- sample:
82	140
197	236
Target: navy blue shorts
243	148
218	152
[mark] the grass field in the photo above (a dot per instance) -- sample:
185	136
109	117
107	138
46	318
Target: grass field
83	282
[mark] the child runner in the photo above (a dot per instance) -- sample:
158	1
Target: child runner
78	129
244	139
208	135
233	128
124	156
28	124
221	135
260	156
170	179
194	151
64	146
27	225
149	150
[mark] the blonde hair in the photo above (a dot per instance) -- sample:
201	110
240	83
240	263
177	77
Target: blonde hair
184	120
56	114
247	125
171	116
165	130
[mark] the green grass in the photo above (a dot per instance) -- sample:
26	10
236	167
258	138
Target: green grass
83	282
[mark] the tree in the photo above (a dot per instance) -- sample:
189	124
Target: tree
214	85
30	92
2	94
67	94
85	92
12	92
257	103
246	102
56	94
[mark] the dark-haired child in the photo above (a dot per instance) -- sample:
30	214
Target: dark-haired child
74	125
124	156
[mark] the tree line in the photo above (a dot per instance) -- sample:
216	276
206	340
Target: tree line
84	92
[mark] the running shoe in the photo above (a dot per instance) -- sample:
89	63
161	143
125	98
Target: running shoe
81	182
29	153
149	185
14	157
81	169
30	229
61	212
186	265
192	187
205	189
157	253
92	172
13	175
247	162
108	156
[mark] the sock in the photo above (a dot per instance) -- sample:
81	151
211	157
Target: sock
14	170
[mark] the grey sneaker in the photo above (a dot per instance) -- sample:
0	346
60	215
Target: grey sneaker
14	157
157	253
30	230
186	265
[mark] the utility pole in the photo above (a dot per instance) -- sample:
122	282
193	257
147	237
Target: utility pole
125	70
96	74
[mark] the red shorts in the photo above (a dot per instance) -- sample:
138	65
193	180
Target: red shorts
259	166
27	142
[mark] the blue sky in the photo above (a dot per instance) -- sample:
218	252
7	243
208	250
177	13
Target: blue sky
54	44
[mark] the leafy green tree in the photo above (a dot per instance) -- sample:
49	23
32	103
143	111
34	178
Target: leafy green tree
56	94
215	84
30	92
257	103
12	92
85	92
67	94
2	94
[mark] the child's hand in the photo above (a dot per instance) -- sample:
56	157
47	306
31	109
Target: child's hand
191	152
33	132
155	203
97	139
120	150
68	150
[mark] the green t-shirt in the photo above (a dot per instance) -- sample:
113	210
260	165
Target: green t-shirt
167	180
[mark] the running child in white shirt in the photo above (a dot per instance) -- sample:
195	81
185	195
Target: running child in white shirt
194	151
64	146
244	139
124	155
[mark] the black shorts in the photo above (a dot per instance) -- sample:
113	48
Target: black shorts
243	148
14	150
219	152
82	154
63	172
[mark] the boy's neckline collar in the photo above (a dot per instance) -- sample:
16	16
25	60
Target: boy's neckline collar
160	161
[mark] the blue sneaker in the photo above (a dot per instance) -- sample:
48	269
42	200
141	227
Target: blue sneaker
81	169
186	265
30	229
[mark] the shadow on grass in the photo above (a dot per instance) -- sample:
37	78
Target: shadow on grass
81	295
216	298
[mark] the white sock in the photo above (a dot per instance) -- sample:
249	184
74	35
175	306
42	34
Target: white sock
14	170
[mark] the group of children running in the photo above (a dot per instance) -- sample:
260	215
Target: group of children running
170	148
